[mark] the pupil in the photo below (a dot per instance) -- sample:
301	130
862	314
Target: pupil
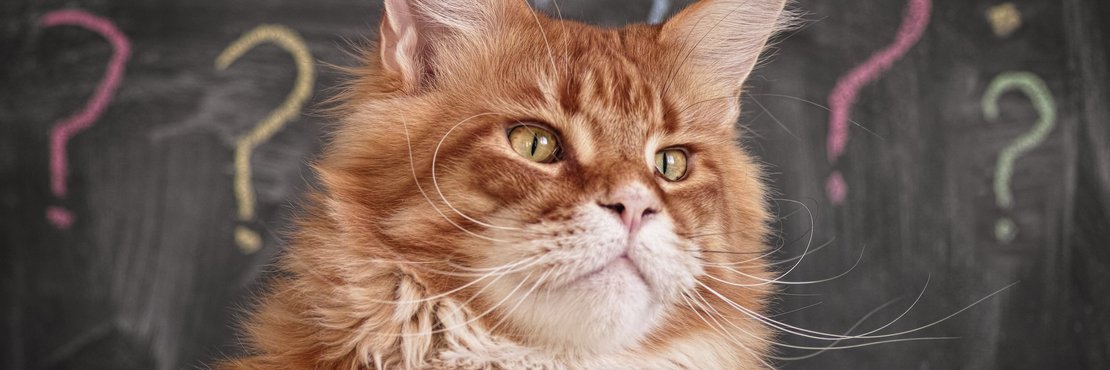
535	143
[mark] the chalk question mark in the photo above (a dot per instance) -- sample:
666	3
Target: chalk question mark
65	129
843	96
1005	230
248	240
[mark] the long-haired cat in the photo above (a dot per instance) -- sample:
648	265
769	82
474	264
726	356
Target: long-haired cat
511	191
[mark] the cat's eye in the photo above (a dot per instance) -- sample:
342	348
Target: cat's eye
534	143
671	163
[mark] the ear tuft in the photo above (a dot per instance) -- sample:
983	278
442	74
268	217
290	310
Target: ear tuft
721	40
414	33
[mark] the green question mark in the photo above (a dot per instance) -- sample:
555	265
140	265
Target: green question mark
1005	230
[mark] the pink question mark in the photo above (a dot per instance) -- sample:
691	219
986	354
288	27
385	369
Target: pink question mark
83	119
843	96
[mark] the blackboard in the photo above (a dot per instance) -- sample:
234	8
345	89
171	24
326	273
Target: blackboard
149	273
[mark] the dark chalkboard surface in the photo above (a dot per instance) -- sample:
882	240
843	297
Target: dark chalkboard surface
128	239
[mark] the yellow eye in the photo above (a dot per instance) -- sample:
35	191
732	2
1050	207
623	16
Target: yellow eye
535	143
671	163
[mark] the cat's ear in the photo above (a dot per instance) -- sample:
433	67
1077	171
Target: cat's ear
721	39
414	33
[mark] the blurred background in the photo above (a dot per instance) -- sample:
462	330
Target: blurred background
951	148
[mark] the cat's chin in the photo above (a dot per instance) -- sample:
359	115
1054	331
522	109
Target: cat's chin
602	311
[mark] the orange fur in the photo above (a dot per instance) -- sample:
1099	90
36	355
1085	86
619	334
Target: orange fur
369	277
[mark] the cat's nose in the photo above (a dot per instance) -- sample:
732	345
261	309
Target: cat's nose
632	204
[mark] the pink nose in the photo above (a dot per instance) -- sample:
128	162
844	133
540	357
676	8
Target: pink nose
632	204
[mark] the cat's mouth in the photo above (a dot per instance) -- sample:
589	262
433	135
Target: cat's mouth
621	264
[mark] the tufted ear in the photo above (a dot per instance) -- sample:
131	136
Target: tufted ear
721	39
415	34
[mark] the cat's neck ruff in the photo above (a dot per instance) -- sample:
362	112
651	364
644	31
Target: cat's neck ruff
438	332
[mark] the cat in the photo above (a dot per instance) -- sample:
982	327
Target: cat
507	190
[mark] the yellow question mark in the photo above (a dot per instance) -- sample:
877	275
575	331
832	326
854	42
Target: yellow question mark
1005	230
248	240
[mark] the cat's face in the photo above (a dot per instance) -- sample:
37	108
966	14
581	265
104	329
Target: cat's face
570	185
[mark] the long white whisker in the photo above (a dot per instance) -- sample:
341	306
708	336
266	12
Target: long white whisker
510	268
809	242
435	181
472	271
776	119
777	281
812	251
709	307
412	167
796	309
563	27
813	334
720	330
550	53
868	315
768	254
476	318
520	301
821	349
822	107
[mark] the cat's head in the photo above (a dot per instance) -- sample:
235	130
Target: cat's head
572	185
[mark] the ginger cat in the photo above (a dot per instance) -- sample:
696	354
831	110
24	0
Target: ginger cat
510	191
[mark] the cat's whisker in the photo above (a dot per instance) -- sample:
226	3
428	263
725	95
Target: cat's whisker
720	330
488	311
702	102
472	269
563	28
522	298
509	268
473	272
812	251
803	308
819	106
709	307
900	316
439	191
813	334
859	345
809	242
466	304
852	328
723	252
762	257
772	115
806	333
832	346
763	281
412	167
550	53
476	273
435	181
691	236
